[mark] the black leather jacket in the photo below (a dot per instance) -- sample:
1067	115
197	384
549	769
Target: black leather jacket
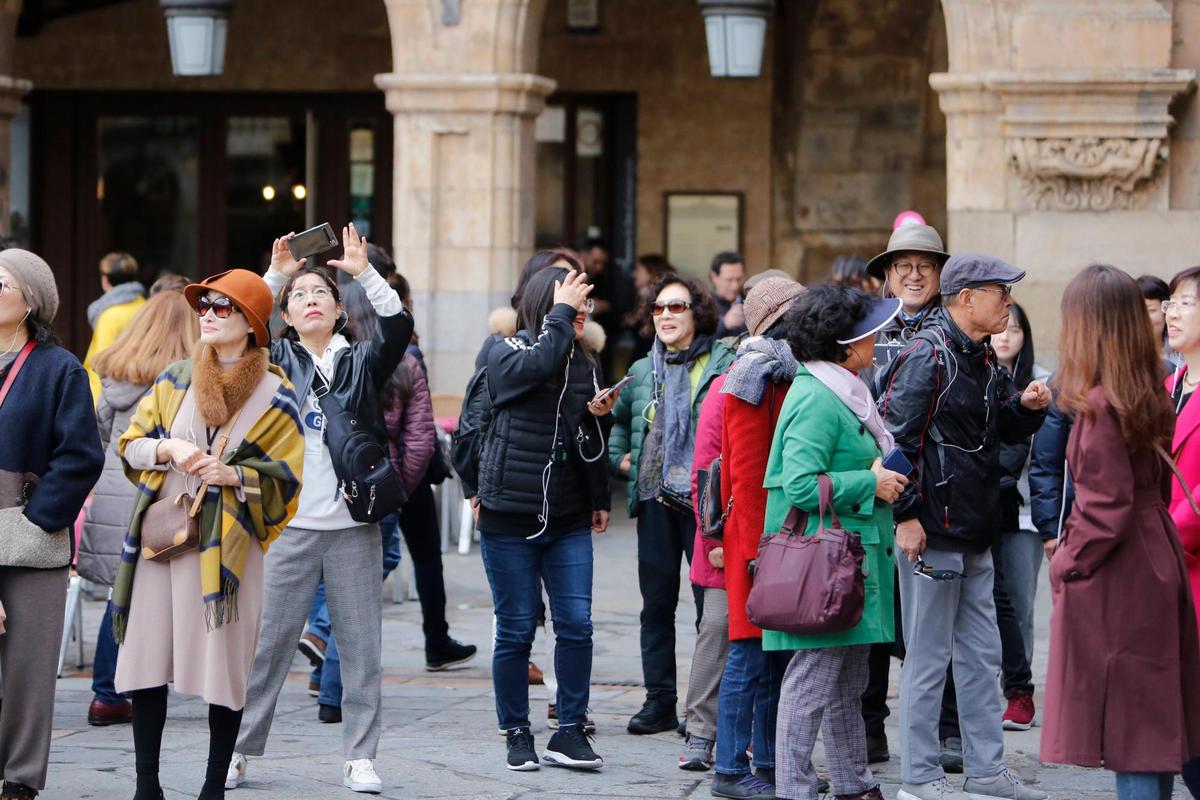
358	371
950	407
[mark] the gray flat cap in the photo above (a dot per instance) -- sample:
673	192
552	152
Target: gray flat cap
966	270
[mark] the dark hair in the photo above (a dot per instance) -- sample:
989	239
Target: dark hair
820	317
848	271
324	274
726	257
704	309
119	268
1189	275
380	260
656	264
537	299
540	261
1023	368
593	242
1154	288
401	285
41	331
361	320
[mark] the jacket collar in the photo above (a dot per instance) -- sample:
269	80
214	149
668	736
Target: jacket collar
940	318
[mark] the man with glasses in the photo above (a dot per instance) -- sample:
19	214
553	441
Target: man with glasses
949	407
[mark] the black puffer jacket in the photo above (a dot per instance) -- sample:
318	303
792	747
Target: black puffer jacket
893	340
950	407
525	379
358	372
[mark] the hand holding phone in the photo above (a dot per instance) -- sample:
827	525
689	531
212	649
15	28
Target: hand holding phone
312	241
616	387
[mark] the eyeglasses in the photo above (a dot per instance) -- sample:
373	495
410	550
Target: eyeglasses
320	294
676	307
1003	291
589	305
8	286
923	570
923	268
221	306
1185	303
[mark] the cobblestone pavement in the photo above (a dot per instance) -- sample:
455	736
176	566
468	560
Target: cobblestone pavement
439	738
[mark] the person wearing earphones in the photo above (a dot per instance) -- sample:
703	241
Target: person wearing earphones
949	407
543	489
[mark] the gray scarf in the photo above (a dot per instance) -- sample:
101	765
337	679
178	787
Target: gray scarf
116	296
759	360
673	415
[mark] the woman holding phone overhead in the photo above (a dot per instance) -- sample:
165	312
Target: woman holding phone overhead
338	382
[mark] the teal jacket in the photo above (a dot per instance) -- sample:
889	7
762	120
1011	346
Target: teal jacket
818	434
629	414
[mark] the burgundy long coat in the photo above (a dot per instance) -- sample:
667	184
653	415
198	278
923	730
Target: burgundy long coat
1123	685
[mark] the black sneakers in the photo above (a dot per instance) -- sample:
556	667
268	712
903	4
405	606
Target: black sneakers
571	747
521	754
329	714
452	654
655	717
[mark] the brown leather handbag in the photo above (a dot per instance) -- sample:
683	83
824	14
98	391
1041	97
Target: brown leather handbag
171	526
809	584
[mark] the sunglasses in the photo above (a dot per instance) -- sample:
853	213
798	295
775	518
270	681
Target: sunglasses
675	307
222	307
929	573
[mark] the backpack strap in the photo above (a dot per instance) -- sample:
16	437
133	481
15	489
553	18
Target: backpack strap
15	369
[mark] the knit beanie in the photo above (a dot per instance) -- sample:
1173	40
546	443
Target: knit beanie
768	301
36	280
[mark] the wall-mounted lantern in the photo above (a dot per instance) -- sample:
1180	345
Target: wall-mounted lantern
736	31
197	29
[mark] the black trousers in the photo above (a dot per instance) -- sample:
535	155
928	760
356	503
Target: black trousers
665	537
419	524
1014	661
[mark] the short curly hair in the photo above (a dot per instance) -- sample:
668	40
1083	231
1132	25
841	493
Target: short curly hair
704	308
820	317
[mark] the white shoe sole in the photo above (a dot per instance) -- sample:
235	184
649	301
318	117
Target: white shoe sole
235	781
528	766
1009	725
315	657
365	788
560	760
449	664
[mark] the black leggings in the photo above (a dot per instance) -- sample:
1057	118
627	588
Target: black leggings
149	719
419	524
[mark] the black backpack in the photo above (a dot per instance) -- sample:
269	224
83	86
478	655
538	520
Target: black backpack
473	422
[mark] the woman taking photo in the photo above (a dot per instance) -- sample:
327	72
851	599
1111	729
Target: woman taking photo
48	464
1124	694
223	427
652	442
333	377
163	331
543	489
829	427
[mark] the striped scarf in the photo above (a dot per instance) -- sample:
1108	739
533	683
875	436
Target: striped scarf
270	460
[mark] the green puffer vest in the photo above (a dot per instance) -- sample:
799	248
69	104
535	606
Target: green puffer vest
629	415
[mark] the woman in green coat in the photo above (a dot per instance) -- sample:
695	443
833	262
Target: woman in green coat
829	426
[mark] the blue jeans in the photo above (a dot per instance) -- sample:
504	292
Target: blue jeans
516	570
104	666
329	674
1145	785
747	705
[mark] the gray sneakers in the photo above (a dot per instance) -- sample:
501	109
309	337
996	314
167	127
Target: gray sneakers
941	789
1005	785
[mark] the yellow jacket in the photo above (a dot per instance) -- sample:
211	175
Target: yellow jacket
108	327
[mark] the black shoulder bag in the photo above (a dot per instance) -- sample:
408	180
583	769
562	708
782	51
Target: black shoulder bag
366	480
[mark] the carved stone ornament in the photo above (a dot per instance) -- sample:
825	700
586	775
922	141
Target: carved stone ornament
1087	173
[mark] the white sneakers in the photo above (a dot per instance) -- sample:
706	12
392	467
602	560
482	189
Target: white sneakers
358	775
237	771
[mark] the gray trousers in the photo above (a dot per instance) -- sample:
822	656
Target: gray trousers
823	687
351	561
34	602
708	665
945	619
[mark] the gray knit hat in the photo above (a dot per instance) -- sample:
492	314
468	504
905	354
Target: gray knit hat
36	280
768	301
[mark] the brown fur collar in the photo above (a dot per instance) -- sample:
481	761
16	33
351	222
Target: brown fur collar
221	392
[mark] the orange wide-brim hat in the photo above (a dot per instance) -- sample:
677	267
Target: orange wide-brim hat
248	292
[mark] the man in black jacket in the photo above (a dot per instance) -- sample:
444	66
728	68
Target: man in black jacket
949	407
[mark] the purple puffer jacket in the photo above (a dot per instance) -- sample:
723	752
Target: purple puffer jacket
412	435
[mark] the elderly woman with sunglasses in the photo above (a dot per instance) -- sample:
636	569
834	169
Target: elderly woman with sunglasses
829	427
193	620
651	444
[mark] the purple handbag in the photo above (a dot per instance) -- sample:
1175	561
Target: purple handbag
809	584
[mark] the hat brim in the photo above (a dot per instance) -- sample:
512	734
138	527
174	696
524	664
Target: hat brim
193	291
883	311
877	266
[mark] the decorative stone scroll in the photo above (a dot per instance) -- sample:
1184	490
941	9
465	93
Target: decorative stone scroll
1087	173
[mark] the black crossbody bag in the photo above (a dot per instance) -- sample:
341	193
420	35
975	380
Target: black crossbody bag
366	480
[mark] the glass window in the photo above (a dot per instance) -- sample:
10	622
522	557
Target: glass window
362	175
593	175
148	188
550	132
265	186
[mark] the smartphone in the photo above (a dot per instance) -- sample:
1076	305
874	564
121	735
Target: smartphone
616	387
312	241
896	461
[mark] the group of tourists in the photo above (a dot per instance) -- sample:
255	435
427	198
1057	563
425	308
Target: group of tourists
841	467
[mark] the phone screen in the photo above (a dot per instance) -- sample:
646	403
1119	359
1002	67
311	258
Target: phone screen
312	241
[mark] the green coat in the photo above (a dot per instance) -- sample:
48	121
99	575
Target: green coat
629	414
817	434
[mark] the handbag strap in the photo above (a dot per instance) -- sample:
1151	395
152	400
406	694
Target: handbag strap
825	486
1187	491
796	518
222	442
22	357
